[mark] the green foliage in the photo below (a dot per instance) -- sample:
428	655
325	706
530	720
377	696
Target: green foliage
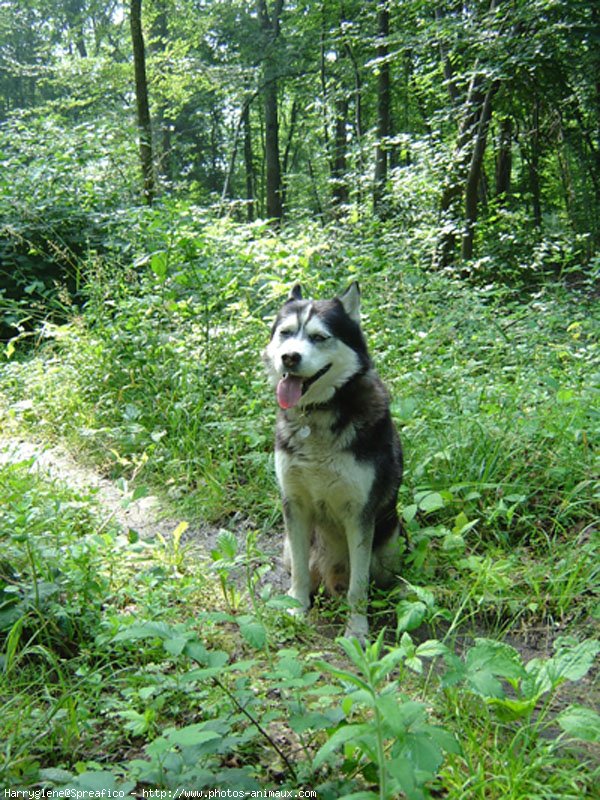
51	584
396	744
59	185
489	663
128	663
176	337
218	697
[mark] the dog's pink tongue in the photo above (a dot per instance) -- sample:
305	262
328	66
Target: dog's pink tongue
289	391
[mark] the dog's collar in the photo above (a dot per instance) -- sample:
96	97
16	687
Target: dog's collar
334	400
313	378
318	406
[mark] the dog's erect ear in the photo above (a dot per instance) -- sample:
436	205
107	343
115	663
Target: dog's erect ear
351	301
295	294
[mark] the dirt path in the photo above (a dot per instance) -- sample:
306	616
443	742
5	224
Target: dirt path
142	515
146	516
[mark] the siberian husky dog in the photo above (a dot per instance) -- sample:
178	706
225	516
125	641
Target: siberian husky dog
338	457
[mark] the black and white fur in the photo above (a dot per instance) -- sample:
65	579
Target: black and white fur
338	457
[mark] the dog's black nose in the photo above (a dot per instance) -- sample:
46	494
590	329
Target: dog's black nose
291	360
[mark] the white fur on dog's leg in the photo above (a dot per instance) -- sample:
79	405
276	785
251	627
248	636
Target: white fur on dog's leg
357	628
360	542
296	553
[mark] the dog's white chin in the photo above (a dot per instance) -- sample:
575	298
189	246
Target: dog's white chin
317	395
323	390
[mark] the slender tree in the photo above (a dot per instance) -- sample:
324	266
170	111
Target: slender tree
141	96
248	163
339	190
384	99
504	159
474	172
270	26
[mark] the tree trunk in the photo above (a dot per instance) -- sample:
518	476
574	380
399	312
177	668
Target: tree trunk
466	166
534	165
164	159
75	21
447	65
315	188
288	149
455	183
338	173
270	28
504	160
248	163
141	95
474	174
383	108
359	167
323	77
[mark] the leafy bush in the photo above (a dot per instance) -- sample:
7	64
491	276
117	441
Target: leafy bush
52	585
59	185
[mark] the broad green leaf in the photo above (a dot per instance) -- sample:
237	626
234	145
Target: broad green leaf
508	708
283	601
388	663
313	720
489	660
157	747
415	664
580	723
572	661
401	716
402	771
411	614
431	648
409	512
144	630
497	658
176	645
55	775
453	543
191	735
432	501
95	781
340	737
422	751
217	658
253	631
196	651
446	740
424	595
159	263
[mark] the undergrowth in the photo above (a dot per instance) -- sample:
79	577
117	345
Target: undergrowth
137	664
164	684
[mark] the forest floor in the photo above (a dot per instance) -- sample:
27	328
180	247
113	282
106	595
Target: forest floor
148	518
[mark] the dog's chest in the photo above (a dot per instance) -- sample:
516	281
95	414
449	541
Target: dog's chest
317	467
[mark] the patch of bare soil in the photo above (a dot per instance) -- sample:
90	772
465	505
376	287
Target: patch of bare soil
146	516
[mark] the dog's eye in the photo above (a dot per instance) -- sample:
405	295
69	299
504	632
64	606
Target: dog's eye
285	334
318	337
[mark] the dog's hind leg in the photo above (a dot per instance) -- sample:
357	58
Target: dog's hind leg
360	543
298	525
386	561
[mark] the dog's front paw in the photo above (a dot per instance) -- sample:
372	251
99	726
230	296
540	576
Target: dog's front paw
299	607
357	628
